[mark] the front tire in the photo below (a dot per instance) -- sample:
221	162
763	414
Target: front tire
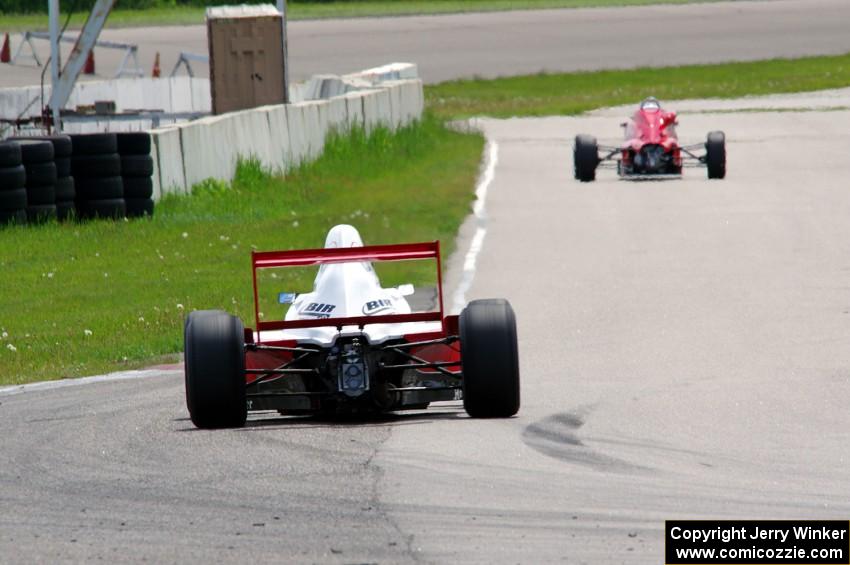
489	359
715	155
585	158
215	369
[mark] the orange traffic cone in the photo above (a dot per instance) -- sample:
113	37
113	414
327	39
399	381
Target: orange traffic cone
5	52
89	68
156	70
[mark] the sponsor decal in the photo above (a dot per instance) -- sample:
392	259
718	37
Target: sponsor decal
317	310
375	306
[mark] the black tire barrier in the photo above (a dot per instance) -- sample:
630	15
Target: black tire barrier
137	170
13	200
10	154
63	167
13	177
40	213
136	165
94	143
112	209
65	190
41	174
36	151
134	143
8	217
96	166
62	145
108	188
41	195
139	207
65	211
138	187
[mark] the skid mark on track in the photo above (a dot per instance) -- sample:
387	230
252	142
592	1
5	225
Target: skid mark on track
478	210
557	437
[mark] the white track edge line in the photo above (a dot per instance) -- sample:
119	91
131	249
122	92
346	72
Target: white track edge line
479	211
118	376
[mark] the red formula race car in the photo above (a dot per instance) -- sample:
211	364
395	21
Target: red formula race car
651	148
348	344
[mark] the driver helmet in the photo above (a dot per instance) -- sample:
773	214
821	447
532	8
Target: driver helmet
651	104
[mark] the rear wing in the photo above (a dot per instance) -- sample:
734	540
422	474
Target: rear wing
310	257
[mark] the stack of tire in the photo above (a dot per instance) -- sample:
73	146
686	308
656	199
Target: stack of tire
96	168
13	194
37	156
137	172
65	193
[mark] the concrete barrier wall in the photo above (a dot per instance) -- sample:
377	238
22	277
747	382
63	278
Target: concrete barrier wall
174	94
169	175
279	136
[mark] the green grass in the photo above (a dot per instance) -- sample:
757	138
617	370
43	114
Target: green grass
131	283
573	93
324	10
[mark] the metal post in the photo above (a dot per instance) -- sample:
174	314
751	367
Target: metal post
53	9
77	59
281	7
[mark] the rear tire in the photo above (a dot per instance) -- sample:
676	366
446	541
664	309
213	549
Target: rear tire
715	155
585	158
215	369
490	359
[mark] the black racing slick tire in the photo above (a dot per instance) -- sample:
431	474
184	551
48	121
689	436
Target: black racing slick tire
585	158
489	359
715	155
214	352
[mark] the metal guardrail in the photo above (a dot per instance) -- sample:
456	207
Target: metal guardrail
186	60
130	52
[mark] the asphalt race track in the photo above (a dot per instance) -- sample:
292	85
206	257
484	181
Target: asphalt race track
509	43
684	355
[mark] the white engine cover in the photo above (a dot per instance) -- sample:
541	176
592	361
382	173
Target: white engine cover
343	290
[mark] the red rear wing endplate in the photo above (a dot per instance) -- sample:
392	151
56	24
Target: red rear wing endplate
309	257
